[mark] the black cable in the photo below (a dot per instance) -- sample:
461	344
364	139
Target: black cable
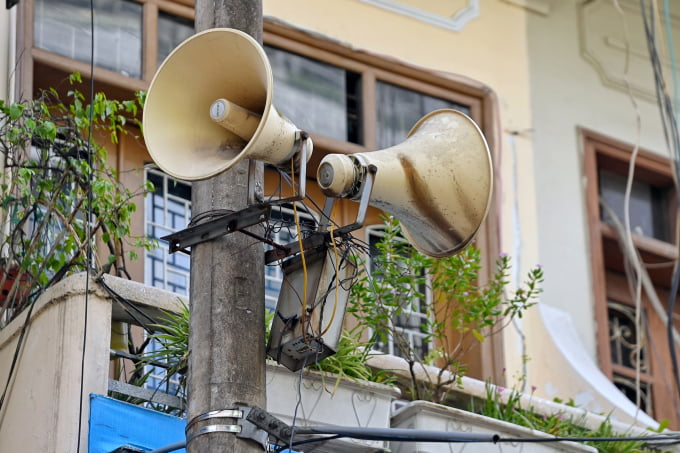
310	441
667	116
88	227
17	350
545	440
401	434
128	306
414	435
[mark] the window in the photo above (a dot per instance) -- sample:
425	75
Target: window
648	204
172	30
398	109
63	27
627	354
168	210
316	96
132	37
626	347
412	323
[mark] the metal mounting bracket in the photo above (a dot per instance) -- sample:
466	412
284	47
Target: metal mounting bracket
235	221
301	157
270	424
212	229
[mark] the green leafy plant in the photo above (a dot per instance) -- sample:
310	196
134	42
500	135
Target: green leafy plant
60	199
172	352
165	348
557	424
172	337
350	361
461	313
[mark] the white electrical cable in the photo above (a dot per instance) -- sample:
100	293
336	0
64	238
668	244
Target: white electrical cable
628	237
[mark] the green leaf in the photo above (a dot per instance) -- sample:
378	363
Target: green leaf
15	111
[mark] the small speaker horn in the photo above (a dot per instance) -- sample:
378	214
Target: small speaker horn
210	105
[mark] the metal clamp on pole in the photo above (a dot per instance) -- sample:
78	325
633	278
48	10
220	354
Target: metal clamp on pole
243	428
216	428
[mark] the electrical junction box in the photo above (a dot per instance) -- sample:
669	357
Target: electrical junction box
330	273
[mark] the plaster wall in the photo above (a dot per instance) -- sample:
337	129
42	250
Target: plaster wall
489	45
42	406
7	47
578	82
43	394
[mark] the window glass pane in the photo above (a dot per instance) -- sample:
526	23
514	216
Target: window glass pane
399	109
648	215
316	96
63	27
168	210
172	30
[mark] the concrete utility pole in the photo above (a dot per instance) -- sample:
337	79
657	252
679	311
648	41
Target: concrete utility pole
226	335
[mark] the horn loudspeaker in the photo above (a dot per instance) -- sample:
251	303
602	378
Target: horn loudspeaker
437	183
210	105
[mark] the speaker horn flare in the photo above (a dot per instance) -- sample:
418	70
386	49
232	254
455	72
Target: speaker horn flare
210	105
437	183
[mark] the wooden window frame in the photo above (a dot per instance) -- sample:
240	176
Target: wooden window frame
32	56
484	110
481	100
608	280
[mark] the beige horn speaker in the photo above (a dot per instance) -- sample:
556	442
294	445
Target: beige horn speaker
437	183
210	106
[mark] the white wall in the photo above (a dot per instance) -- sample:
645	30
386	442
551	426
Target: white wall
7	51
569	67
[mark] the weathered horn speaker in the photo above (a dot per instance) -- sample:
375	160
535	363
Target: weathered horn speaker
437	183
210	106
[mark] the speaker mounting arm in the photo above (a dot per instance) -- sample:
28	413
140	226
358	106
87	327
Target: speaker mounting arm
364	198
302	143
323	236
235	221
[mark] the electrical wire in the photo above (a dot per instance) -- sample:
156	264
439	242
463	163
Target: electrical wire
303	313
337	284
414	435
517	253
628	238
88	229
671	51
670	126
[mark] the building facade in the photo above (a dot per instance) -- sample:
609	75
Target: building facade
563	90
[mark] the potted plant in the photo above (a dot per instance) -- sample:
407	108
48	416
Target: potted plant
459	314
62	206
339	389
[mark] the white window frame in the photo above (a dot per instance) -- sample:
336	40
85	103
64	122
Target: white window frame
411	333
161	253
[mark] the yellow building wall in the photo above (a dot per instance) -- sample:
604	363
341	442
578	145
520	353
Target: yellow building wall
490	48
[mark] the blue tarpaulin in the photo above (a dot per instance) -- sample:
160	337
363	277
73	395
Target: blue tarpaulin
115	424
